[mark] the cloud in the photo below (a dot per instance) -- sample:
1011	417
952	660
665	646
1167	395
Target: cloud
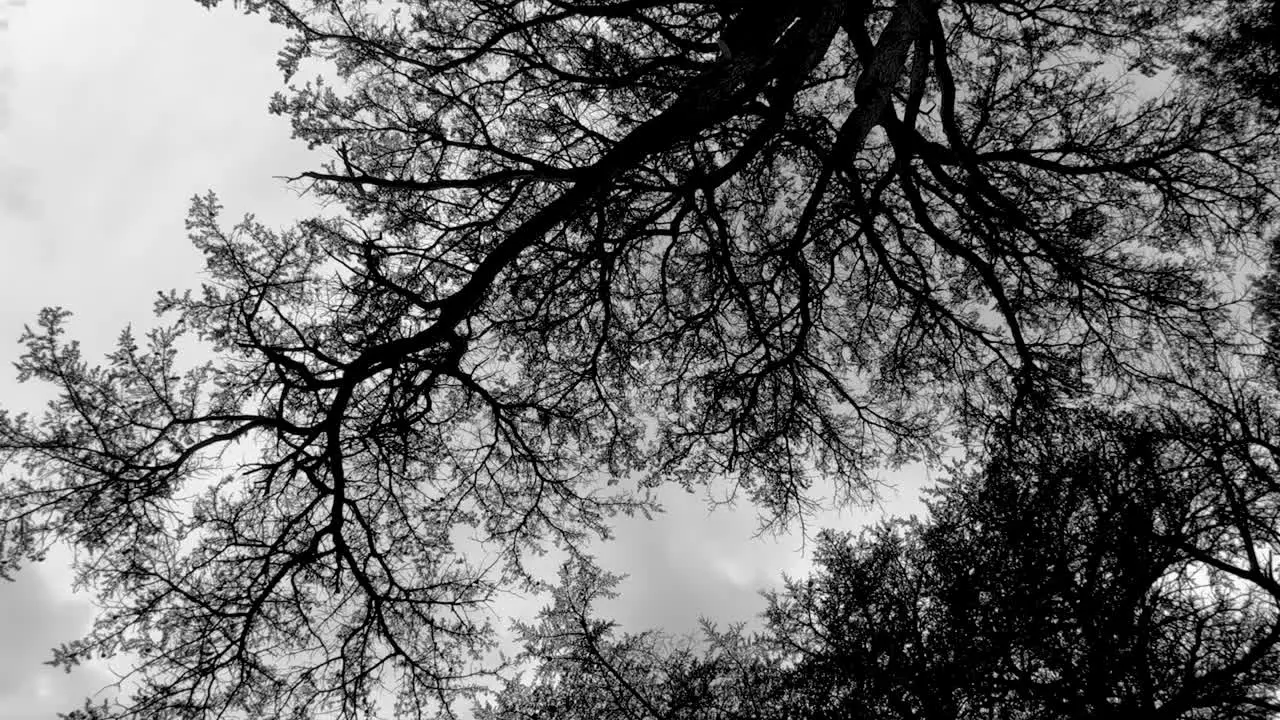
16	199
36	616
692	561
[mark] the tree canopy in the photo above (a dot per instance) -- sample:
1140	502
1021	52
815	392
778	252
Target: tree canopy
1103	567
582	249
1239	46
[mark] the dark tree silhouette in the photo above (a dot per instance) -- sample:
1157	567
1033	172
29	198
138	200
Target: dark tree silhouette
1085	573
1101	567
587	248
1240	44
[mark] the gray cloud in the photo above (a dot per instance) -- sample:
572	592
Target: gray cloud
36	616
693	561
16	198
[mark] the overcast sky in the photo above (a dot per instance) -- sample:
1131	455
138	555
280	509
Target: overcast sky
114	114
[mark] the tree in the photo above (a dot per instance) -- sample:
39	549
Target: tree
1095	570
611	244
1104	566
1238	45
579	668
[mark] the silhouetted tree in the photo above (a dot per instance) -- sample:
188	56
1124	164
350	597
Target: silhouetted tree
1101	567
579	668
1239	43
610	242
1084	572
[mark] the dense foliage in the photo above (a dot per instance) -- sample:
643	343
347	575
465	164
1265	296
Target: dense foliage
583	248
1240	45
1100	567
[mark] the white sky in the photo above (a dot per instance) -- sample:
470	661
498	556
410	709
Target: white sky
112	115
